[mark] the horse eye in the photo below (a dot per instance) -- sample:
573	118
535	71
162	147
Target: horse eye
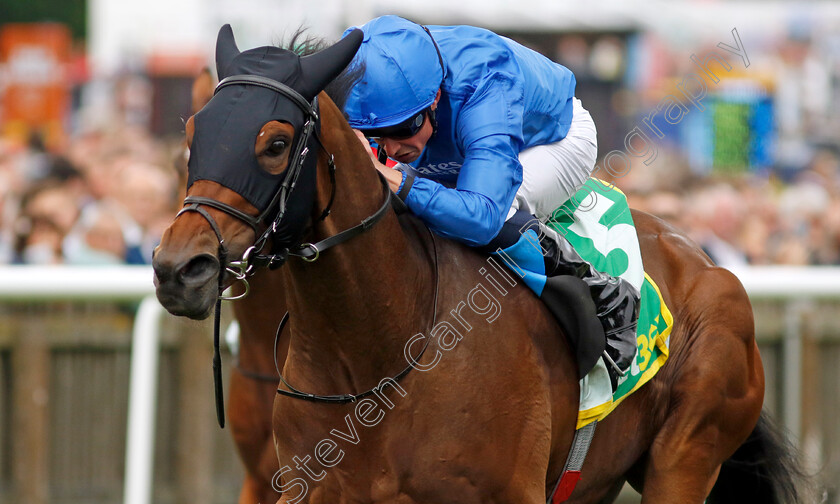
276	148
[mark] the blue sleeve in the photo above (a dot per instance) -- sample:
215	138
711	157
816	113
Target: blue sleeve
489	127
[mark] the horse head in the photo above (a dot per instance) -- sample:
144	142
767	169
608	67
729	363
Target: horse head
252	168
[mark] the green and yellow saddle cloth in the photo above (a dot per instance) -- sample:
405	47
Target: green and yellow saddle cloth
597	222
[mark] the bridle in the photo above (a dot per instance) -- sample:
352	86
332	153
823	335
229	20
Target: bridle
243	267
254	258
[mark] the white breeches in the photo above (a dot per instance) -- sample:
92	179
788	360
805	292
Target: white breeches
552	173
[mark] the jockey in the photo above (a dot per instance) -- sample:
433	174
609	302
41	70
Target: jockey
489	138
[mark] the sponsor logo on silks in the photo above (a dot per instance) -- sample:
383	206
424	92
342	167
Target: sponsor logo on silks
598	224
449	168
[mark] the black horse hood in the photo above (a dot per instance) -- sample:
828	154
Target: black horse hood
227	127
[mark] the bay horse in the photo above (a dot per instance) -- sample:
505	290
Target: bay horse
486	409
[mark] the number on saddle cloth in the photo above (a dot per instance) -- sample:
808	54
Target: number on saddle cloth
598	223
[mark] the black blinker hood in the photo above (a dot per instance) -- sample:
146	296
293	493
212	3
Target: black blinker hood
226	128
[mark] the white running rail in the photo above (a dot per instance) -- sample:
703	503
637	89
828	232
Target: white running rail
134	283
110	283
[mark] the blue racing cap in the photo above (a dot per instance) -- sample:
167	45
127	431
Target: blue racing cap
403	71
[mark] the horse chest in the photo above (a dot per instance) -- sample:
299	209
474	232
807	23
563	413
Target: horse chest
374	453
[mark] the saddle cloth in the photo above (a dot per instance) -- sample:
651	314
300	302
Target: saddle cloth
598	223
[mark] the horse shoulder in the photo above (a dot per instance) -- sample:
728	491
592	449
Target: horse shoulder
524	345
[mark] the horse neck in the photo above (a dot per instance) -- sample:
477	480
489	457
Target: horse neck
359	303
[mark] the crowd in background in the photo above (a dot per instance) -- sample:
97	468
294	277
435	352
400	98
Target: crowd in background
105	199
748	219
107	196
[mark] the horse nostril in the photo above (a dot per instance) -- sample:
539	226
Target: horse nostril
199	270
163	272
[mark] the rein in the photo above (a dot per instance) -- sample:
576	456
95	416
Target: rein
347	398
310	252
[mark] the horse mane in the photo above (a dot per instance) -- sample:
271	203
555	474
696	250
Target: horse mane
303	43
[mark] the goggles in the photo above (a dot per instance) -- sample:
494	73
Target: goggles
401	131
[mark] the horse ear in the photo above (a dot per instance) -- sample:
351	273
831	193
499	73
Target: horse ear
321	68
202	90
226	50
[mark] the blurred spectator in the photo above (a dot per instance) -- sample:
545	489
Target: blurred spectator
110	194
666	205
97	238
717	219
146	194
48	212
107	199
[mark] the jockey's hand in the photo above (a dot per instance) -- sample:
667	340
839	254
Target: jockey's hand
393	176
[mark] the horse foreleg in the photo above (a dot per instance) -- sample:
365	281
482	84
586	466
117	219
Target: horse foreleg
253	491
716	396
257	487
249	412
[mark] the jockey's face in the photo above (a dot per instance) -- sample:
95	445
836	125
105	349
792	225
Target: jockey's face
406	150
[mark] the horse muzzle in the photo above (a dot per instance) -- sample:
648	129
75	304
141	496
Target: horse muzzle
187	288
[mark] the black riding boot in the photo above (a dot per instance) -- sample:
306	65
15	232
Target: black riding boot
575	292
616	301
